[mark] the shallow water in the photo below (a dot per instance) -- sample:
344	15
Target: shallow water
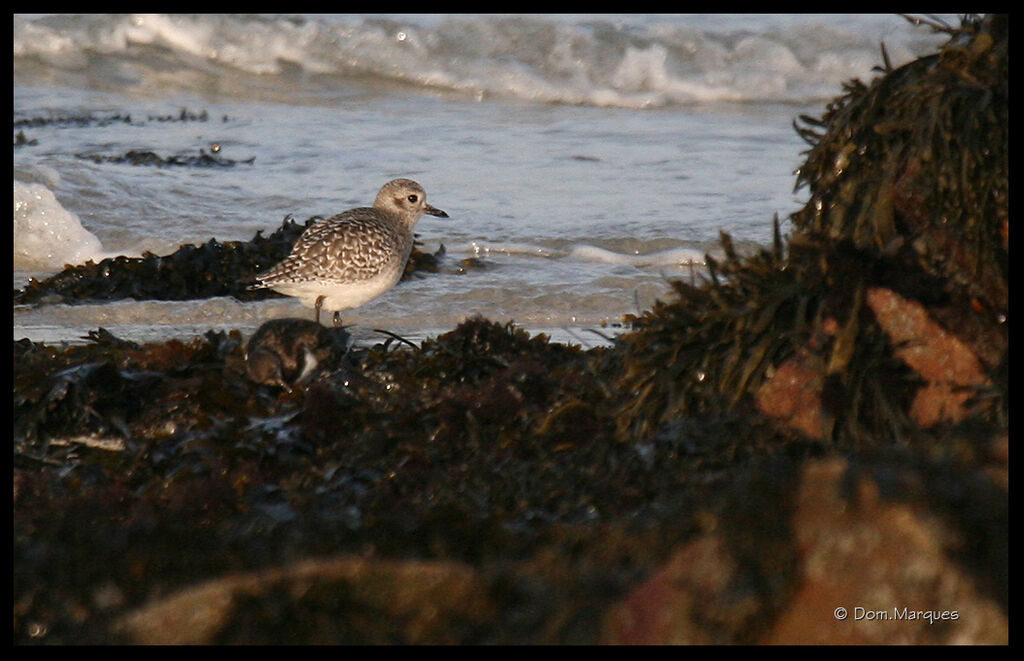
584	160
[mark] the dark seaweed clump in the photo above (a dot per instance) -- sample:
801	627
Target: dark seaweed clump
192	272
712	347
916	164
146	157
87	120
484	443
20	140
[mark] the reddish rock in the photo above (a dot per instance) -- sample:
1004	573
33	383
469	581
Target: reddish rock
887	564
411	602
943	361
948	366
793	394
669	607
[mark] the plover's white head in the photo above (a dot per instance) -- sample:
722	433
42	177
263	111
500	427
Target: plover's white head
407	199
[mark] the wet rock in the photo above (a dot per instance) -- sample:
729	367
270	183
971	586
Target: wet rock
469	264
422	261
184	115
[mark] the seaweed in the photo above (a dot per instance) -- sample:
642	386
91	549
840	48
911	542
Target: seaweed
20	140
916	163
146	157
91	119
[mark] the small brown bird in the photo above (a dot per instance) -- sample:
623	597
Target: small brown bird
288	352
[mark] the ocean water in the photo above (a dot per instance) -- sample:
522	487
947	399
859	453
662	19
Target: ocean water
585	160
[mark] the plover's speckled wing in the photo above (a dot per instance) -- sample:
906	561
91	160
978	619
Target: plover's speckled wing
350	247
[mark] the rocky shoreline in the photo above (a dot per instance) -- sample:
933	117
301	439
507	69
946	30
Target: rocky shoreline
809	446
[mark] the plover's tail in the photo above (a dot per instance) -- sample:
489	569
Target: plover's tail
254	282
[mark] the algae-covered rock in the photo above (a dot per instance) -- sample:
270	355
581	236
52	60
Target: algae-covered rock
908	179
916	163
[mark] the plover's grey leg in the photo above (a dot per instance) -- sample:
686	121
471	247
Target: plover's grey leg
319	304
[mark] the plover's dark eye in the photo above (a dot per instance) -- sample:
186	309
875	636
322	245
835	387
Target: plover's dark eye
414	198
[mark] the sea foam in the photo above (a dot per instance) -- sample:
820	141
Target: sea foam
46	235
671	257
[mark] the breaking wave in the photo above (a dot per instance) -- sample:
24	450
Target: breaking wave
604	60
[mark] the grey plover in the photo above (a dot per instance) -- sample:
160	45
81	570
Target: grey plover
354	257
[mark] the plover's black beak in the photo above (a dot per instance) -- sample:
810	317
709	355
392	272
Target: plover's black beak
434	212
